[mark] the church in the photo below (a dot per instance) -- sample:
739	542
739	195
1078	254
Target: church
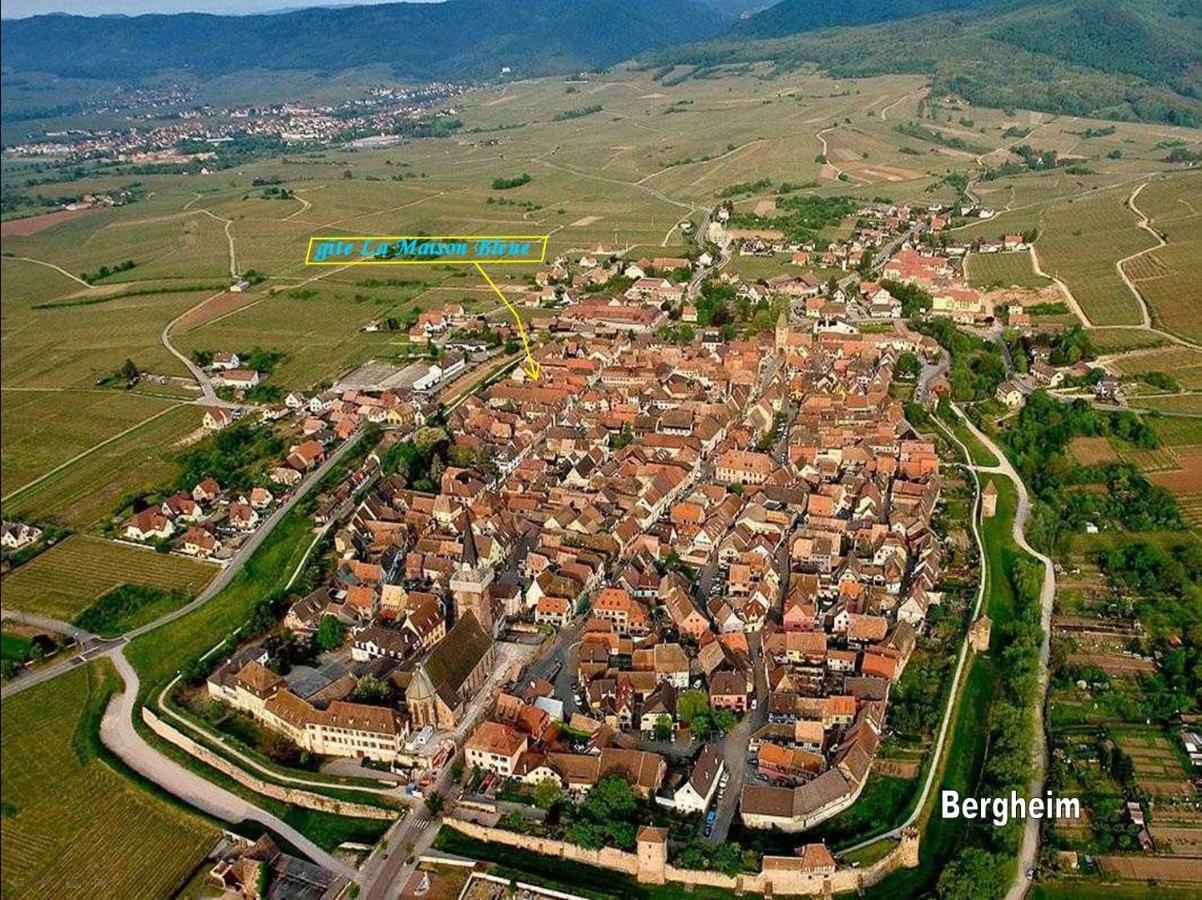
470	584
444	682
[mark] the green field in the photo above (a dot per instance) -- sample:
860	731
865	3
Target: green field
69	577
72	827
91	488
158	654
14	646
44	429
990	270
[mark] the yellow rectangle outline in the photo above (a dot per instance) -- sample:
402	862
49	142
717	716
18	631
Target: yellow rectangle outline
437	261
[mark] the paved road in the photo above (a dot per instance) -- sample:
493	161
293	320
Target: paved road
1029	851
119	735
87	646
96	646
734	745
45	622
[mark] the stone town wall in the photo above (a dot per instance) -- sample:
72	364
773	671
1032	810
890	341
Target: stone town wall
307	799
605	858
770	883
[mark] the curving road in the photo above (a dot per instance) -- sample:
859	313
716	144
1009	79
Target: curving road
119	735
1029	850
1030	842
961	661
202	378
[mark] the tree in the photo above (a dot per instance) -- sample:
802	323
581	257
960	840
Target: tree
194	672
373	690
908	366
546	793
974	875
611	797
723	719
330	633
690	704
663	728
427	438
435	803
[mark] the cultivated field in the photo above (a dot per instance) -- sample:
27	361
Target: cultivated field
40	430
988	270
76	341
1180	404
655	154
67	578
91	488
1170	278
1177	430
1158	768
1083	239
72	827
1120	340
1188	478
1184	364
1162	459
1092	451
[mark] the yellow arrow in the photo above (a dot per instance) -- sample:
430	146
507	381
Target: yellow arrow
531	367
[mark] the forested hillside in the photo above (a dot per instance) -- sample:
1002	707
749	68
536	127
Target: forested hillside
458	39
1123	59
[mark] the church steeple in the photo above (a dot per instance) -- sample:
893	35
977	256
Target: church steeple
471	557
782	331
469	585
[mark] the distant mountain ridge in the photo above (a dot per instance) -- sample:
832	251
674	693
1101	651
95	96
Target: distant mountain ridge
458	39
1127	59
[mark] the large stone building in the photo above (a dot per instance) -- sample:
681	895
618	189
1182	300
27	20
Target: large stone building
455	670
349	729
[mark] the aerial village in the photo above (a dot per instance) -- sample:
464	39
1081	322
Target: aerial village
697	567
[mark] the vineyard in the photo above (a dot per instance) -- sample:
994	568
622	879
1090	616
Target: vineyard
72	827
66	579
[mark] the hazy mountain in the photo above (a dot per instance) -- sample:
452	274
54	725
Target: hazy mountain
455	39
1129	59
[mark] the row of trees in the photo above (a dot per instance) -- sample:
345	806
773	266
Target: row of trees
984	867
